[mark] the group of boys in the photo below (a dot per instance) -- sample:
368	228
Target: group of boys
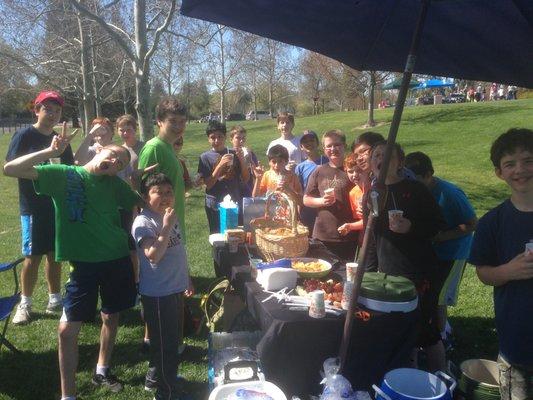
85	229
332	192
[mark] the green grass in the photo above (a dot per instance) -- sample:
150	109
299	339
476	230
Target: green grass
457	137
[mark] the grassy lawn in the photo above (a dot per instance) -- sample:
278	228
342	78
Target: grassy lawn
457	137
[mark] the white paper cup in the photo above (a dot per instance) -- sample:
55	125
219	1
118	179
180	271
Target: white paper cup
233	244
55	160
317	308
232	159
351	270
347	294
394	214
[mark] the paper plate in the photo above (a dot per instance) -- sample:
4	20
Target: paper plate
316	274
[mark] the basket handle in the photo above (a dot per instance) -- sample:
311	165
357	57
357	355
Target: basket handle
292	208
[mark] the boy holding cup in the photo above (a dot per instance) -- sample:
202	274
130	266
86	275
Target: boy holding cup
222	174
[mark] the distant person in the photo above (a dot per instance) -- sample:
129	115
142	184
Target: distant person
222	171
37	211
288	140
310	145
238	140
171	118
328	192
87	201
164	279
502	260
511	92
278	177
452	244
100	135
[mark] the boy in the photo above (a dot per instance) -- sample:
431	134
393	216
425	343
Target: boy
171	117
164	277
288	140
357	177
100	135
452	244
277	177
222	171
238	140
89	235
126	128
500	260
37	212
328	191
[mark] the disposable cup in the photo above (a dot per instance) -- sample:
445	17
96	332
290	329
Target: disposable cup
232	159
55	160
317	308
329	191
347	294
351	270
394	214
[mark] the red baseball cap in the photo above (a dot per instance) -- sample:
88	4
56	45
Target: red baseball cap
49	95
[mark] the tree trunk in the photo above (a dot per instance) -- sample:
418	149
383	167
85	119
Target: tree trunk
88	98
271	98
142	83
370	121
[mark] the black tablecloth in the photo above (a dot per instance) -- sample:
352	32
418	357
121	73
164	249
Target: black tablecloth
294	345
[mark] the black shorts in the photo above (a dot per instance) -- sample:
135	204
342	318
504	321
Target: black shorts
113	280
428	299
38	234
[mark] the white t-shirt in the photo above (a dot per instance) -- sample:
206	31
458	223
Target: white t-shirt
292	146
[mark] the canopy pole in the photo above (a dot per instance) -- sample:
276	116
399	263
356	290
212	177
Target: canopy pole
380	188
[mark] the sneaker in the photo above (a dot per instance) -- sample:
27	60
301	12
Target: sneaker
150	384
54	307
109	381
22	316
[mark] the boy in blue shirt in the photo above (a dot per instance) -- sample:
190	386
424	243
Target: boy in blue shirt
452	244
164	278
498	252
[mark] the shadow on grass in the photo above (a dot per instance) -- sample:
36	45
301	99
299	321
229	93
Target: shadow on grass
452	114
475	337
487	197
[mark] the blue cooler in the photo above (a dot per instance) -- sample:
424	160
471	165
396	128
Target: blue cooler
229	216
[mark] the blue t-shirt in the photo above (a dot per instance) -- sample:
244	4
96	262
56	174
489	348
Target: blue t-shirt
456	210
500	236
25	141
229	184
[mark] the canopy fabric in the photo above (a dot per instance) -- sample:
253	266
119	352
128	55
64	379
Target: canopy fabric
486	40
397	83
433	84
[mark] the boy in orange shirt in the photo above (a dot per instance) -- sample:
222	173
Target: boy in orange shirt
357	177
277	177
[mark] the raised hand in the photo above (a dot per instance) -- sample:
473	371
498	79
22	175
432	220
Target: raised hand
170	217
258	171
61	141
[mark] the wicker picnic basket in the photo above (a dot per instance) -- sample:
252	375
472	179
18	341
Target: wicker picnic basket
280	237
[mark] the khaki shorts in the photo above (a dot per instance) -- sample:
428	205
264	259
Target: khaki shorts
516	382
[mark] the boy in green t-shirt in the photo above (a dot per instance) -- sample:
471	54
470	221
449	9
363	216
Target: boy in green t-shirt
88	234
171	117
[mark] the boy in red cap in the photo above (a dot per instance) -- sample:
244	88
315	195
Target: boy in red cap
36	211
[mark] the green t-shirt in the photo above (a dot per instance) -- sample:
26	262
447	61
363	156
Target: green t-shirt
87	218
157	151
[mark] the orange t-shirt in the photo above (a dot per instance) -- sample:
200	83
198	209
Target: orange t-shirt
269	182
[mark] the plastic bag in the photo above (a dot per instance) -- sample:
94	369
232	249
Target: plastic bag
249	394
335	386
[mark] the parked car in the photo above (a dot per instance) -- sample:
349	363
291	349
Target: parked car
251	116
424	100
235	117
209	117
454	98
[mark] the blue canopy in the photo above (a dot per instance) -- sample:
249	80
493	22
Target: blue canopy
486	40
433	84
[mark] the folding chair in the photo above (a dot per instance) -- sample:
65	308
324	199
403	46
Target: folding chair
8	303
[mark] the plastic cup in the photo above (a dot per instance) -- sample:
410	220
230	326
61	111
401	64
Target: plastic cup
351	270
395	214
232	159
55	160
347	294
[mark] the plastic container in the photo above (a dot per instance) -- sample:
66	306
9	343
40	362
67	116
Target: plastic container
479	380
229	390
413	384
229	216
